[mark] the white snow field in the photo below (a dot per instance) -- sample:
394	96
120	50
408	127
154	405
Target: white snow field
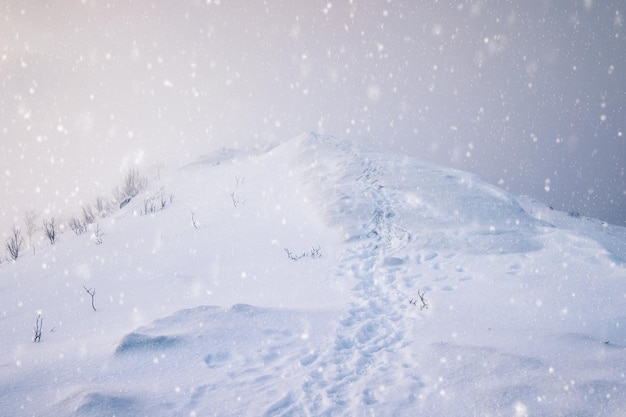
524	311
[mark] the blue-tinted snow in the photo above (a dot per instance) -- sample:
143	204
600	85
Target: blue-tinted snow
523	308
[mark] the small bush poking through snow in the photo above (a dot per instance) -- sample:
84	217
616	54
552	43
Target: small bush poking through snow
423	300
92	293
38	326
78	226
156	203
315	252
133	184
14	243
50	229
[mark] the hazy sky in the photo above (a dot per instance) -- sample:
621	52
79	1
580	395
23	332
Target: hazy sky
529	95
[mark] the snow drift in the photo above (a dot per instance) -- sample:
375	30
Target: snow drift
316	278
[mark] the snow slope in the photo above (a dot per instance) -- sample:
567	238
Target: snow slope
201	312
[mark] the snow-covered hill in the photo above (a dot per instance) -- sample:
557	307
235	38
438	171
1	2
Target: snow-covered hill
318	279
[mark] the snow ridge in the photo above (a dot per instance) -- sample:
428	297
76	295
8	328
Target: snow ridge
523	308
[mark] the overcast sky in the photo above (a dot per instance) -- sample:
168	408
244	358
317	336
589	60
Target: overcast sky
529	95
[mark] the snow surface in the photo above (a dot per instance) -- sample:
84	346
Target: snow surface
526	305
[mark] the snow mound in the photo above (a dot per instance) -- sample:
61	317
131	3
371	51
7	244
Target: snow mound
211	356
137	341
100	404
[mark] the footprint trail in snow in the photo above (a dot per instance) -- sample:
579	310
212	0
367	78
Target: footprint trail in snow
368	364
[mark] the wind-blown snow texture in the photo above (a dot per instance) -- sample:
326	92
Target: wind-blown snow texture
526	305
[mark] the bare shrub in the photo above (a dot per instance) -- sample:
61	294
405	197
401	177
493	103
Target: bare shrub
195	222
103	206
14	243
314	253
235	198
30	218
38	326
50	229
573	213
78	226
157	202
149	205
88	215
132	185
424	301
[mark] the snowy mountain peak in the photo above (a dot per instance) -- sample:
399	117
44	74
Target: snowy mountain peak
318	278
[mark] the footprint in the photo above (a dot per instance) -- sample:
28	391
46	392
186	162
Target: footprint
430	256
392	261
368	397
367	332
214	360
309	359
198	393
282	406
410	281
514	269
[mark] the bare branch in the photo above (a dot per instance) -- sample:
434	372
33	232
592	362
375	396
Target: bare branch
195	223
315	252
235	198
92	293
38	326
423	300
